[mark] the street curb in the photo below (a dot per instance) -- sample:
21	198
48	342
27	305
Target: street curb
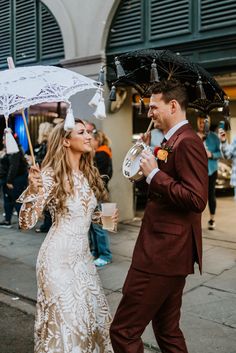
15	301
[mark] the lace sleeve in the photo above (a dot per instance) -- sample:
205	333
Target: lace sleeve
33	204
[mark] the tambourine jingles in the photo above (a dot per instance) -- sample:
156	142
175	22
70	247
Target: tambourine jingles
131	165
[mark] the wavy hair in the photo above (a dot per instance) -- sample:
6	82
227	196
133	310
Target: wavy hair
102	138
57	160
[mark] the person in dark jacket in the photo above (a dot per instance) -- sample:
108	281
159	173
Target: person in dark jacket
13	178
103	156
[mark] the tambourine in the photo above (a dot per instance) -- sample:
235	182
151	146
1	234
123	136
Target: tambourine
131	165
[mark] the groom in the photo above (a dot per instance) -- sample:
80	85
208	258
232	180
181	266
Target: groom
170	239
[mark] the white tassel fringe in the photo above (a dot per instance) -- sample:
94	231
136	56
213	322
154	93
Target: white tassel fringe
11	145
96	98
100	112
69	120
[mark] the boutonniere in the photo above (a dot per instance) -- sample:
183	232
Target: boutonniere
162	152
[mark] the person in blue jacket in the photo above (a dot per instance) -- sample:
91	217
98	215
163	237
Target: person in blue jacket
212	145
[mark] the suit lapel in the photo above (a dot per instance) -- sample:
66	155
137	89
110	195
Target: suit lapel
174	137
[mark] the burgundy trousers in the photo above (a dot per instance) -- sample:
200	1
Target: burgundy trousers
149	297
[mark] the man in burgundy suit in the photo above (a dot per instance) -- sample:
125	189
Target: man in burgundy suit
170	239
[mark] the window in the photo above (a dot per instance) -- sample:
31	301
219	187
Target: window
29	33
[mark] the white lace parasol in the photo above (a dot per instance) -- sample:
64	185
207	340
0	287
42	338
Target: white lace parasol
25	86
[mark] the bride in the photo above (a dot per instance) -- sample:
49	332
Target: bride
72	314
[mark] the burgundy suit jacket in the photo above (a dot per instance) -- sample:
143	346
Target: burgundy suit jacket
170	238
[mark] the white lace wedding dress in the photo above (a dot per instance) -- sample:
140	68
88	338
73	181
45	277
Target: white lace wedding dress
72	314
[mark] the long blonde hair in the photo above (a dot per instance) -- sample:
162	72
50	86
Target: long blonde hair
44	131
57	160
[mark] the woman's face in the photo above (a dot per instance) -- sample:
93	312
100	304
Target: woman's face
79	140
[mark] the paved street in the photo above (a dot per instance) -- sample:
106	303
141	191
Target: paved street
16	325
209	302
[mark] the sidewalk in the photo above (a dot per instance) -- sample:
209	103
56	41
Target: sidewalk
209	302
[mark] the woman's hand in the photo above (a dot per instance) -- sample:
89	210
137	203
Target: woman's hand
35	180
115	218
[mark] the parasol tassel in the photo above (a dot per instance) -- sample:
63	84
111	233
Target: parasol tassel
101	77
154	77
69	123
96	98
226	107
206	126
201	92
141	106
11	145
119	69
100	112
112	95
226	114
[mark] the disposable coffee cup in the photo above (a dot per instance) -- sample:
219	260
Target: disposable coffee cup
108	210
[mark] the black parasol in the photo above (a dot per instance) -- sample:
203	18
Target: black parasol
142	68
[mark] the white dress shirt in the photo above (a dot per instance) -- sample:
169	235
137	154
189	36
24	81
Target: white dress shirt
167	136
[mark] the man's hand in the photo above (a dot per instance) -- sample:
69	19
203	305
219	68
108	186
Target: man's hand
147	162
10	186
146	138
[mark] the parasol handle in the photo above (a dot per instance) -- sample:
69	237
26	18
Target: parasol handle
11	65
28	137
149	127
145	135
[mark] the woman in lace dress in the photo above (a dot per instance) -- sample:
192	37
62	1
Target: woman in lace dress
72	313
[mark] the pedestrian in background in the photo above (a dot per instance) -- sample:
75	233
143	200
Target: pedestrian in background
99	237
40	151
14	180
103	155
229	152
212	146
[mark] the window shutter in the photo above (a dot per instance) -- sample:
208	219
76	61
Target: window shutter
127	28
51	40
25	31
169	17
217	14
29	33
5	31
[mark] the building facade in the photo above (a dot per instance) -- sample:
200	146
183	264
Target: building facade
94	31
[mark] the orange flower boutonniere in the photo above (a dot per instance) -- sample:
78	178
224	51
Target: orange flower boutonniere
161	153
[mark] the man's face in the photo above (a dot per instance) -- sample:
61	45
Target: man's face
160	112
